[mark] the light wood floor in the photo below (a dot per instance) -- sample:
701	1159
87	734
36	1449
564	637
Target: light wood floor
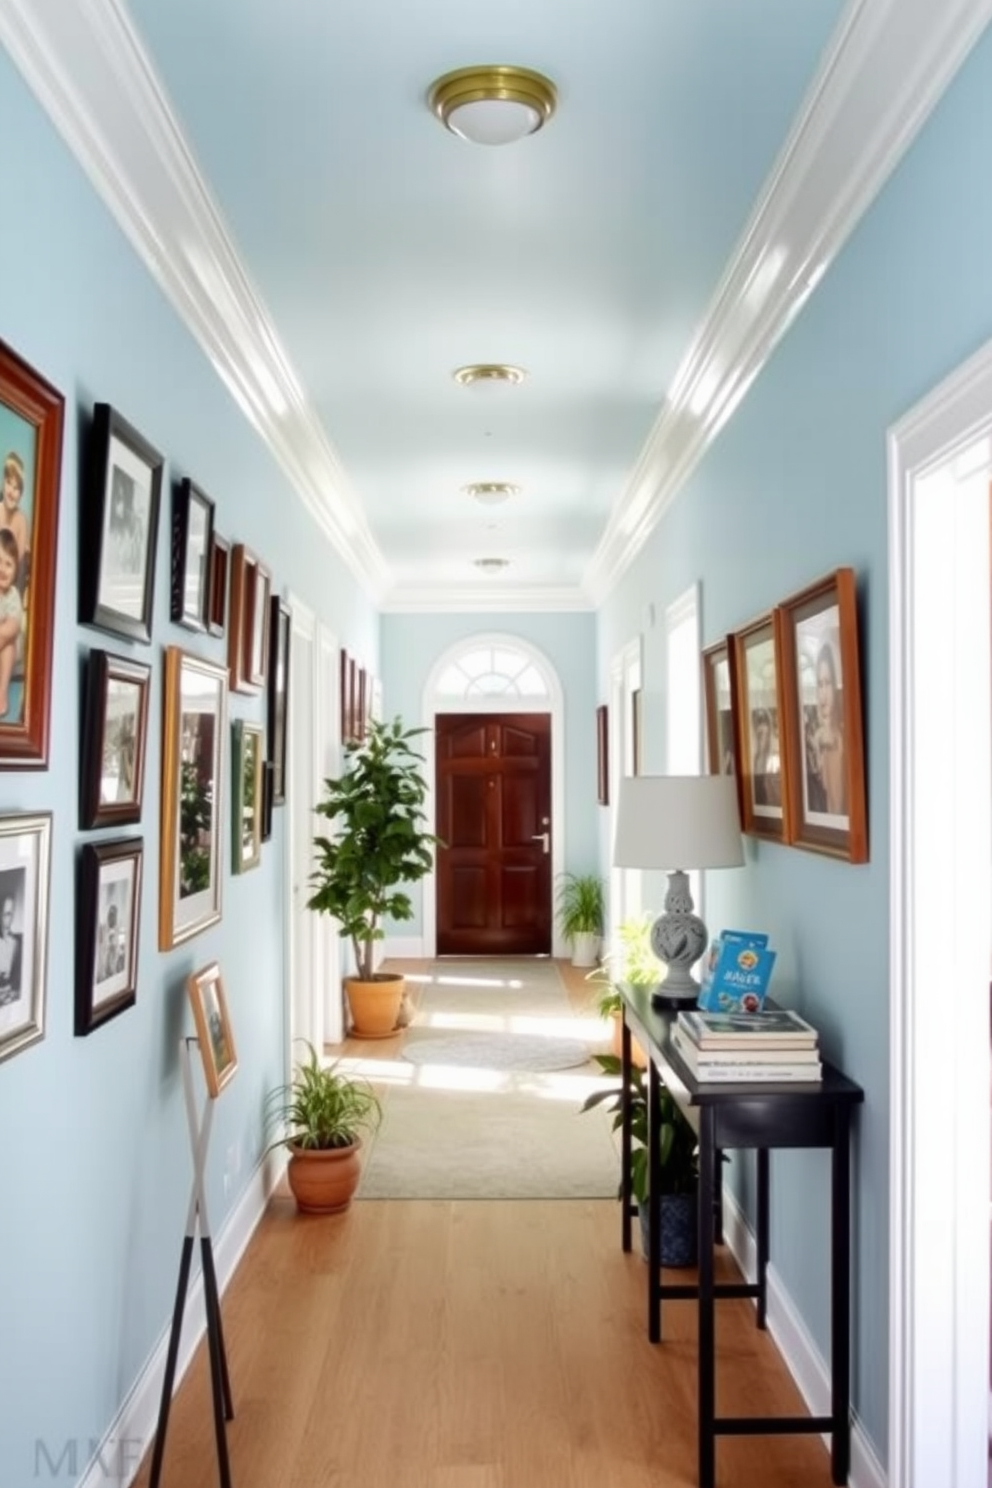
470	1345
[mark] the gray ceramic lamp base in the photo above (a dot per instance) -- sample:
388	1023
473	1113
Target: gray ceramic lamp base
678	939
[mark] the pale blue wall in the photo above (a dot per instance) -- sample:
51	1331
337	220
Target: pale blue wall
94	1166
411	644
793	488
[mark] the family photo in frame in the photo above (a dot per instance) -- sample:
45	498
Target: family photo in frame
31	427
214	1033
117	584
757	706
109	912
25	858
114	738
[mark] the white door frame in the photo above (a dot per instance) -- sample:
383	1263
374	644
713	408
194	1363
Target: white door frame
314	1002
552	702
940	898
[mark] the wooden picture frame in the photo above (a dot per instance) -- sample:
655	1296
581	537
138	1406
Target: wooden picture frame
108	917
248	620
117	589
192	556
194	726
758	708
214	1034
602	755
25	872
344	698
32	414
220	560
280	633
824	741
247	780
718	697
113	741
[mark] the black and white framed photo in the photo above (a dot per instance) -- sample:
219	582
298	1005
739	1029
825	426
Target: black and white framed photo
119	529
278	695
25	858
114	736
108	917
192	556
193	727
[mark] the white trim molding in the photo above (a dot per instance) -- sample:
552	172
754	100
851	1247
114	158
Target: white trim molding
940	873
889	63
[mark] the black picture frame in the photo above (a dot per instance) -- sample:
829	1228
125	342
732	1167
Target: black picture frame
268	770
107	930
113	741
280	631
117	586
192	556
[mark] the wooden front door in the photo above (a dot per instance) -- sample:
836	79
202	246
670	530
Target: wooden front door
494	812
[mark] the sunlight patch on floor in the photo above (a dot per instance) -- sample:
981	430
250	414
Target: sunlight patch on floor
564	1087
593	1031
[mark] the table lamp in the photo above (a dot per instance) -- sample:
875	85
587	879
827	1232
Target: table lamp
678	822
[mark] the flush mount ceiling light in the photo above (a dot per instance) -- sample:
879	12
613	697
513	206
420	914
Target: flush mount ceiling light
489	374
493	105
491	493
491	565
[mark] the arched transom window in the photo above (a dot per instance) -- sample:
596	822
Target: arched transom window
491	671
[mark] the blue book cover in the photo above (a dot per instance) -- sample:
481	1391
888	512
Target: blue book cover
738	970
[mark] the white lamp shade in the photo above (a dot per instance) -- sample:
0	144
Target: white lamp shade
678	821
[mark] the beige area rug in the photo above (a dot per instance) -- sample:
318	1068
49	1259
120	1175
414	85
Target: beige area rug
453	1131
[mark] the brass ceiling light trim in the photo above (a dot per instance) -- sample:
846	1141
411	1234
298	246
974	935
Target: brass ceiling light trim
493	105
491	565
489	374
491	493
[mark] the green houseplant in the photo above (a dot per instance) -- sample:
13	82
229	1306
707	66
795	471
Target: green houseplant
580	914
323	1112
379	846
678	1156
631	962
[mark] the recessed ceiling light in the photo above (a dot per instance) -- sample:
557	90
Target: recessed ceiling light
491	565
491	493
493	105
489	374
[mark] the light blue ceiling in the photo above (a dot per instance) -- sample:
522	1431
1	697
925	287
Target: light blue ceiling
388	252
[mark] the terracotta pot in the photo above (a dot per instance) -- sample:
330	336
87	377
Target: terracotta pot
323	1181
375	1005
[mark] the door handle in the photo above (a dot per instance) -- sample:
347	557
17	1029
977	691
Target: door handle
544	837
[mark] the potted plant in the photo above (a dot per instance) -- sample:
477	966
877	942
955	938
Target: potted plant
379	844
323	1113
580	914
631	962
678	1151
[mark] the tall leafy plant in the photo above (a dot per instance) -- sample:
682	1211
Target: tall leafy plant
380	841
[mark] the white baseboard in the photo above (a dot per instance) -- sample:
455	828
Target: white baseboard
802	1357
115	1463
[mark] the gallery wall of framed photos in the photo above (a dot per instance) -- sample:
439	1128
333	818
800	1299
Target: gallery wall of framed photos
784	714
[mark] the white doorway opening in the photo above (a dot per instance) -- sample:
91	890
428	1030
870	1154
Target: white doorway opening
940	901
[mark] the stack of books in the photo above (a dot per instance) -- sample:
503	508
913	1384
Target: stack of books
775	1045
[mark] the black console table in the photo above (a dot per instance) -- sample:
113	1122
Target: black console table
761	1117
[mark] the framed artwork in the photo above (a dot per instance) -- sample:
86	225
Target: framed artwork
214	1033
361	707
822	699
114	736
344	701
25	859
246	795
280	629
31	421
192	556
117	569
194	725
721	748
220	556
635	731
268	773
248	620
352	699
375	700
756	691
602	755
108	910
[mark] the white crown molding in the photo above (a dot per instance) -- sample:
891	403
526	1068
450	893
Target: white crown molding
483	598
90	72
889	63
